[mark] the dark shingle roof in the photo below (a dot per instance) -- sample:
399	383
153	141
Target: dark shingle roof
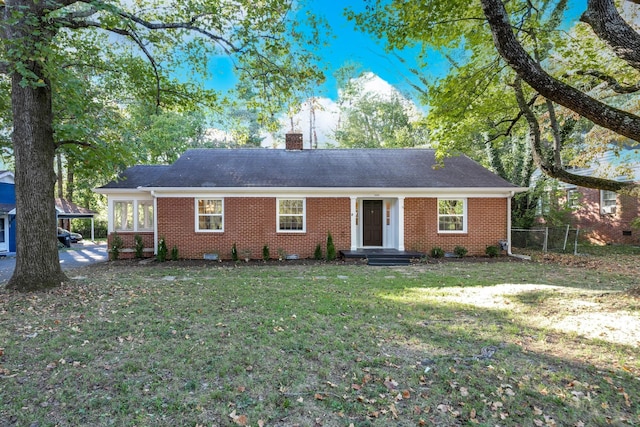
138	176
363	168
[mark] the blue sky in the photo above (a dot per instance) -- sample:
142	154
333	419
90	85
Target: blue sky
350	45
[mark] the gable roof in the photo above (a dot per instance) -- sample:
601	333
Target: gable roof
335	168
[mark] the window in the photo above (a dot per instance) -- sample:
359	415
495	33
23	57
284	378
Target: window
608	201
573	199
608	198
452	215
145	215
209	216
133	215
123	215
291	214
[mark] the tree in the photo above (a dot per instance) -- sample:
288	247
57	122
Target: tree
529	49
39	43
374	120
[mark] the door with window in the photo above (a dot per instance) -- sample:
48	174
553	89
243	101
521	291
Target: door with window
372	222
4	241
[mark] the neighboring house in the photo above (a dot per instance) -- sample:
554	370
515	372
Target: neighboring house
7	213
291	199
605	217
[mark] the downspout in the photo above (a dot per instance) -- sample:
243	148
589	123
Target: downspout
509	253
155	222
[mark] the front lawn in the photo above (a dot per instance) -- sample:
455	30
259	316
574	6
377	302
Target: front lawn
457	343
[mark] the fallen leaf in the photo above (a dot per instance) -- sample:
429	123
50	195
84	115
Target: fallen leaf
464	392
318	396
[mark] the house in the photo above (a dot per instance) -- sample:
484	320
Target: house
7	213
291	199
605	217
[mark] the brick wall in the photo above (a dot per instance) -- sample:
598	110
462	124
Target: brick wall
487	224
250	223
128	243
606	228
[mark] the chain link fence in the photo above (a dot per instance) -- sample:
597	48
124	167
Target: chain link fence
546	239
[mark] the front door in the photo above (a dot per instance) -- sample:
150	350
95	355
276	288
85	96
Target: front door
372	222
3	234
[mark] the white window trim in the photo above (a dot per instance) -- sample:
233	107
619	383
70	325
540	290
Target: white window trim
602	199
304	215
465	218
573	204
197	217
134	206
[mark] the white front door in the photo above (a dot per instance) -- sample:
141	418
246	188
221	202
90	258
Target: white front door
4	233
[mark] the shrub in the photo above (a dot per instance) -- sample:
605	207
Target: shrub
437	252
331	249
174	253
116	245
317	254
139	245
460	251
492	251
162	250
265	253
234	253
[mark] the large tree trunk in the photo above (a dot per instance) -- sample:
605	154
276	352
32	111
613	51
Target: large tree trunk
37	261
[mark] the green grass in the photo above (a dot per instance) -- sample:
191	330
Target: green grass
334	345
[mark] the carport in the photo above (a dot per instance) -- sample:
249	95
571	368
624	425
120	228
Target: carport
69	210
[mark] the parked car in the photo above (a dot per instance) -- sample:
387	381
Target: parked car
64	234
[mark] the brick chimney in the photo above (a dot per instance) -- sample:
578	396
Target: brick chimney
293	141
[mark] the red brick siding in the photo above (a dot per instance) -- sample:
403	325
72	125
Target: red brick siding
128	240
250	223
602	229
487	224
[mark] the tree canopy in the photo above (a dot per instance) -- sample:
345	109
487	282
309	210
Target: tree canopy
513	64
81	72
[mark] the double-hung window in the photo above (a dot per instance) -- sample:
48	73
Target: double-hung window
123	215
133	215
608	201
291	215
209	215
145	215
452	215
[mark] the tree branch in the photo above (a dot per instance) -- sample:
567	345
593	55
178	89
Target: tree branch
557	171
612	83
603	17
59	144
619	121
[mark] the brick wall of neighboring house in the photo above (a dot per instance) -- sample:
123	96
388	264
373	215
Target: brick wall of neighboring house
602	228
250	223
128	243
487	224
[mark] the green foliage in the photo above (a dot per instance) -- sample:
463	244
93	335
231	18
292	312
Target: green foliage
635	223
437	252
116	246
265	253
331	249
460	251
370	120
139	246
162	250
234	253
317	253
492	251
174	253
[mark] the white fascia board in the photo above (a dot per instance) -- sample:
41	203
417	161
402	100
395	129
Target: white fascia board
335	192
122	191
